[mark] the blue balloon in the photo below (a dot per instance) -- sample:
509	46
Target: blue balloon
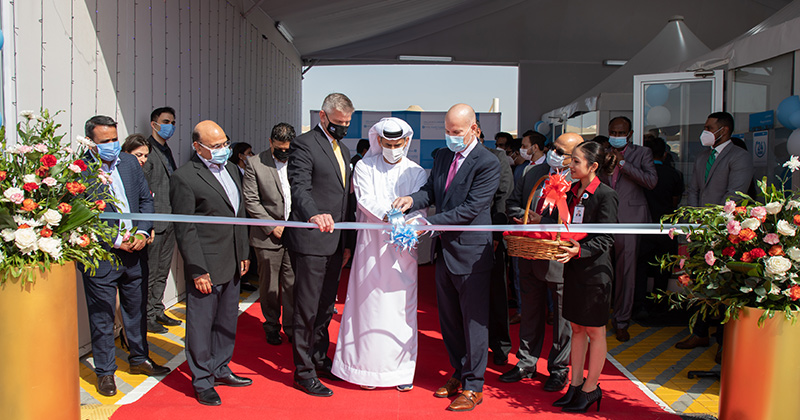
1	40
541	128
789	112
656	95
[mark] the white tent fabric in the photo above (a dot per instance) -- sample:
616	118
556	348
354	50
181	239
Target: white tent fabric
674	44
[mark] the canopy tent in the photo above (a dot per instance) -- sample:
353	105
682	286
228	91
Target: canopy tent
674	44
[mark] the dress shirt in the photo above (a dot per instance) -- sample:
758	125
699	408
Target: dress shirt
287	191
226	181
464	154
122	206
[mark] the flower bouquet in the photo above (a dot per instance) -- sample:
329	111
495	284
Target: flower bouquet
744	254
45	215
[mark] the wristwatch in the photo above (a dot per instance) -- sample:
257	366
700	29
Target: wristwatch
622	163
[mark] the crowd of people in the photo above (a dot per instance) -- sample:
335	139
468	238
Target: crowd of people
313	178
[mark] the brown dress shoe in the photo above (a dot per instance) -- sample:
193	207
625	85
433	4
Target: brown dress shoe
449	389
692	342
515	319
466	401
623	335
106	386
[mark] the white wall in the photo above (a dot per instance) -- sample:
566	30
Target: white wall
123	58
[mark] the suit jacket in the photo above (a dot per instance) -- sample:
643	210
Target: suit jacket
732	171
208	248
468	201
317	187
157	173
503	191
553	270
139	201
638	174
263	198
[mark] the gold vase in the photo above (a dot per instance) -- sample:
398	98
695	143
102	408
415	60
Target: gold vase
39	346
760	368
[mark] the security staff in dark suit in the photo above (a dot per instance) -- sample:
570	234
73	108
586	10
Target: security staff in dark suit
158	168
320	183
214	256
461	185
129	276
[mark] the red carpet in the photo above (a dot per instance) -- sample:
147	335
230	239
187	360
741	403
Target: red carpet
272	394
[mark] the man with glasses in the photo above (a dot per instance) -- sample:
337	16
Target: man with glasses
215	258
537	276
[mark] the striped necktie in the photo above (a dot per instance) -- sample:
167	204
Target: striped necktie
710	162
338	154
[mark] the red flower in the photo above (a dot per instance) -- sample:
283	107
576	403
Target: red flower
740	210
2	175
75	188
64	208
43	171
30	186
734	239
794	292
776	250
46	232
746	257
747	235
85	241
48	160
81	164
729	251
796	219
29	205
100	205
757	253
684	280
24	226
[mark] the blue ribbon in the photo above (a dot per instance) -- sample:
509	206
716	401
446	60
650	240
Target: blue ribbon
403	236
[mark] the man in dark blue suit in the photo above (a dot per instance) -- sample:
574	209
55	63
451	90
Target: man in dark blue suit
461	185
129	188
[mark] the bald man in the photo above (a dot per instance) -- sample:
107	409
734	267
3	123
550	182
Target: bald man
461	185
215	258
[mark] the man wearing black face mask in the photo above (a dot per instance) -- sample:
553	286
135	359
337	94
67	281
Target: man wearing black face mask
267	196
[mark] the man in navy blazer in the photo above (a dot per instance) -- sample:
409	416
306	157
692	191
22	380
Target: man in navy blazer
129	187
461	185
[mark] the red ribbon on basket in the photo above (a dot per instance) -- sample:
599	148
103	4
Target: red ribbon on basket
555	195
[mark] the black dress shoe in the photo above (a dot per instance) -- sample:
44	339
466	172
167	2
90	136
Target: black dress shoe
156	328
556	382
568	397
313	387
274	338
163	319
149	367
327	374
516	374
233	380
247	287
106	386
583	400
208	397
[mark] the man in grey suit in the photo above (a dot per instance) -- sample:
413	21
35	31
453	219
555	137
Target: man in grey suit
719	172
157	170
214	256
537	276
267	195
634	172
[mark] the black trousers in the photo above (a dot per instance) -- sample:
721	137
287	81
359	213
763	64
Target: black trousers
315	287
464	314
159	258
211	331
499	335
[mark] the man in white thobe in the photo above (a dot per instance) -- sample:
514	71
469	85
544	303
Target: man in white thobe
377	343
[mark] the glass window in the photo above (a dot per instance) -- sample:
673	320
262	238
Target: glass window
760	87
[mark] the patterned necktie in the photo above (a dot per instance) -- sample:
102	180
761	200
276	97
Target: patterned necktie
452	172
338	154
710	162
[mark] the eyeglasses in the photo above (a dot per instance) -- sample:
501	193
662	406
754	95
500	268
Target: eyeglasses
562	153
217	147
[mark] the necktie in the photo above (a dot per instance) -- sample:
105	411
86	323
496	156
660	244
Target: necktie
452	172
337	153
710	162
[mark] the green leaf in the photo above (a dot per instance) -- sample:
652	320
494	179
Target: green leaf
6	220
79	216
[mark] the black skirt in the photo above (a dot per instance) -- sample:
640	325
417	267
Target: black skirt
586	304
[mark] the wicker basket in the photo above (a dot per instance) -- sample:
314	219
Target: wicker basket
534	248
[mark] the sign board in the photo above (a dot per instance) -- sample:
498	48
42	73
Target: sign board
760	142
762	120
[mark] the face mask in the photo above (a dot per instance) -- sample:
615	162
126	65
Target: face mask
219	156
393	155
525	154
166	131
109	152
335	130
555	160
510	160
281	155
455	143
618	142
708	138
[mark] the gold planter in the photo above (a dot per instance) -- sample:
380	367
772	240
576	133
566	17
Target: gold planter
39	346
760	368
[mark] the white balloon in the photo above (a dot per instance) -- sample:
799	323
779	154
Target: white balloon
659	116
542	128
793	144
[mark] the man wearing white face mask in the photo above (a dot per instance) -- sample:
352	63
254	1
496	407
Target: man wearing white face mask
634	172
377	343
